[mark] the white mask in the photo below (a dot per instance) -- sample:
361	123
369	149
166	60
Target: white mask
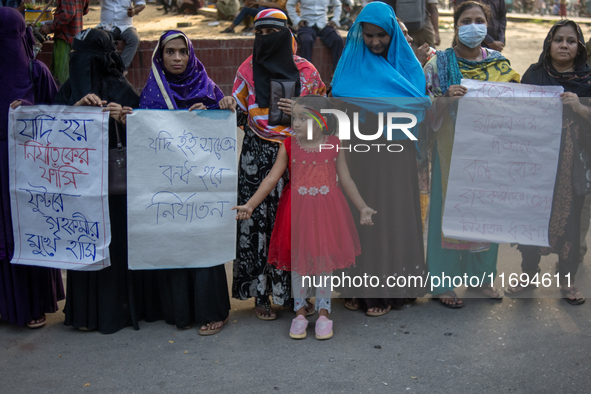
472	35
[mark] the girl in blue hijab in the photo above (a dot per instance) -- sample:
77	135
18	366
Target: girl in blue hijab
378	72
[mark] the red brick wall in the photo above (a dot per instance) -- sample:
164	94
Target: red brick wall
221	59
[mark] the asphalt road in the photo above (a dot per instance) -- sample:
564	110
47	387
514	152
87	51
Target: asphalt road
523	346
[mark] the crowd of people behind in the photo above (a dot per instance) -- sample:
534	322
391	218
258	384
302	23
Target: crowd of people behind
314	230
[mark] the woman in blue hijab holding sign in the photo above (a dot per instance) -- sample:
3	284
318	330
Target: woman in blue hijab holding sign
378	73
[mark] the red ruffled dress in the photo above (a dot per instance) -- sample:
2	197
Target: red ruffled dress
314	231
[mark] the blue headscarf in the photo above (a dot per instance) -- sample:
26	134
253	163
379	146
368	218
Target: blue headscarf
382	82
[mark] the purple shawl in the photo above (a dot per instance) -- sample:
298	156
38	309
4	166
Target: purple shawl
44	87
16	44
14	74
25	292
168	91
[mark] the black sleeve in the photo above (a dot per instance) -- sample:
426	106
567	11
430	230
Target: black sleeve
63	95
241	117
502	16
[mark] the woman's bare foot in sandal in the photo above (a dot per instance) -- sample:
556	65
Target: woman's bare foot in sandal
262	313
572	295
352	304
376	312
449	299
212	328
37	323
521	288
491	292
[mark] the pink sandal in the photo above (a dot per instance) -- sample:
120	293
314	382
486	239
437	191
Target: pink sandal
298	328
323	328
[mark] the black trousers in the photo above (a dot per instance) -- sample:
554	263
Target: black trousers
329	37
530	255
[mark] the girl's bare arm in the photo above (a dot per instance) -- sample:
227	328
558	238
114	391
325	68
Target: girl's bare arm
270	181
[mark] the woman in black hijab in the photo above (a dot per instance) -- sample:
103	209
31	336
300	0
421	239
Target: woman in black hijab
102	300
563	63
97	69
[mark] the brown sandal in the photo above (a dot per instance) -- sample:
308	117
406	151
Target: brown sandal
212	331
498	296
310	308
572	291
352	304
37	323
378	314
266	312
450	294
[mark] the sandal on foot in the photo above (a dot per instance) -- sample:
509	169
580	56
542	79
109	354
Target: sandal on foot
524	289
265	312
450	295
323	328
498	296
298	328
572	291
310	309
352	304
228	30
377	314
37	323
212	331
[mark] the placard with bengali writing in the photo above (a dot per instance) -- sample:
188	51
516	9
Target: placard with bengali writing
58	159
181	183
504	162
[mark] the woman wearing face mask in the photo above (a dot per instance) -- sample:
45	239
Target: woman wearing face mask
469	60
563	63
273	58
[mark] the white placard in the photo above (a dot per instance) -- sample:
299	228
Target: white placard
59	185
504	163
181	184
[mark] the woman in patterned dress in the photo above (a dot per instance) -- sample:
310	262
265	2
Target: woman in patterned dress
273	58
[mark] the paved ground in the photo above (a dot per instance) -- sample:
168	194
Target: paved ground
521	346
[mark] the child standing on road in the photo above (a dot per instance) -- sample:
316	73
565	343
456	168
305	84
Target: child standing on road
314	232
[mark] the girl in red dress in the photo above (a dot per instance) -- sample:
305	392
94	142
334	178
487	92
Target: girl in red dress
314	232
